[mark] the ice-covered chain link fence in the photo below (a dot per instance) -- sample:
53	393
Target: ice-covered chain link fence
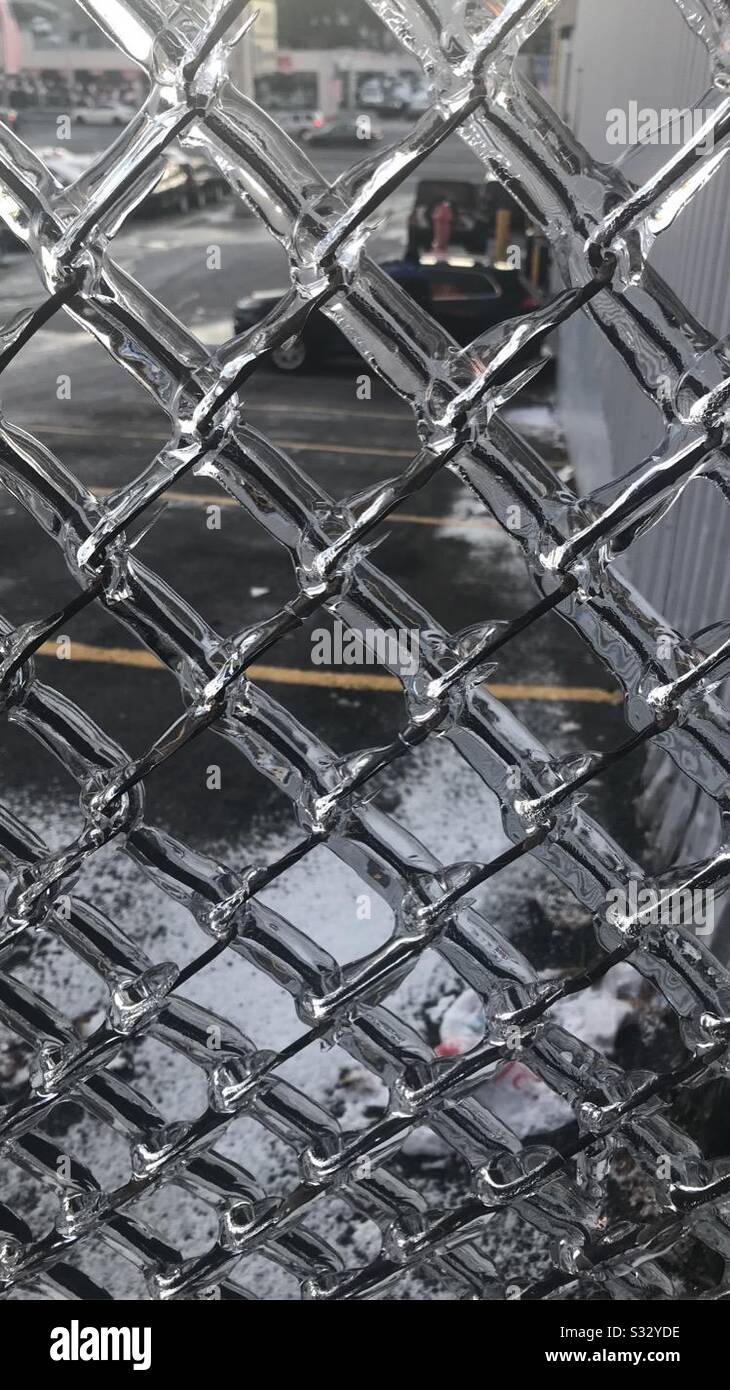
602	228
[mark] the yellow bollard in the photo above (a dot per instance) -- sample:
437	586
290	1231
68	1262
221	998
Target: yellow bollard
535	262
501	234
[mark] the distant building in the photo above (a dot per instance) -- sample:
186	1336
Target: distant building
50	49
256	52
327	79
54	51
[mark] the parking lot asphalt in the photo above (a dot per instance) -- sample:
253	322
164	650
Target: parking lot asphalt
441	548
105	428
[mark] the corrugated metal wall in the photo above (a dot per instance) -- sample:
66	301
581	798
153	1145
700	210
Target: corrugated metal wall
643	51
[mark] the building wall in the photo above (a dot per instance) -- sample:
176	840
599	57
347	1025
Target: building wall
37	54
11	42
257	50
623	52
38	57
626	52
336	70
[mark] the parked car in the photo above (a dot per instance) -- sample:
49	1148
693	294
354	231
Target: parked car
106	113
420	102
172	190
299	123
344	130
389	96
370	92
63	164
205	183
474	206
466	300
66	167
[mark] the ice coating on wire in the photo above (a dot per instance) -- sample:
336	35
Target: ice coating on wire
602	229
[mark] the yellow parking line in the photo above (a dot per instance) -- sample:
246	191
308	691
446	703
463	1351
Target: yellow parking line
82	432
334	680
300	446
287	408
478	523
217	499
582	694
369	450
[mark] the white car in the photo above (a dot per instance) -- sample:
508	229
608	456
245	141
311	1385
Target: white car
297	123
421	101
372	92
65	166
107	113
388	95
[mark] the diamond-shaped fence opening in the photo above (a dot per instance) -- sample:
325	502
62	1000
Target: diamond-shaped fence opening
601	228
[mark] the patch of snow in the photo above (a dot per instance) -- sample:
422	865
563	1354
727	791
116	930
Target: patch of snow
537	418
514	1093
320	895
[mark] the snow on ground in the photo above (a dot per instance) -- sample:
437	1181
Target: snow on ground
452	814
513	1092
536	418
440	801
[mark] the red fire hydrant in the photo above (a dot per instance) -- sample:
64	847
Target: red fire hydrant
442	220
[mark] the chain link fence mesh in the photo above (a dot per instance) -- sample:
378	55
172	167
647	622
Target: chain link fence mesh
601	228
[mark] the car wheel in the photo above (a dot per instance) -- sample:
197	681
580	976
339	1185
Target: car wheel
292	356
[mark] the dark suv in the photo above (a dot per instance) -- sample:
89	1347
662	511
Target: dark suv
466	300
